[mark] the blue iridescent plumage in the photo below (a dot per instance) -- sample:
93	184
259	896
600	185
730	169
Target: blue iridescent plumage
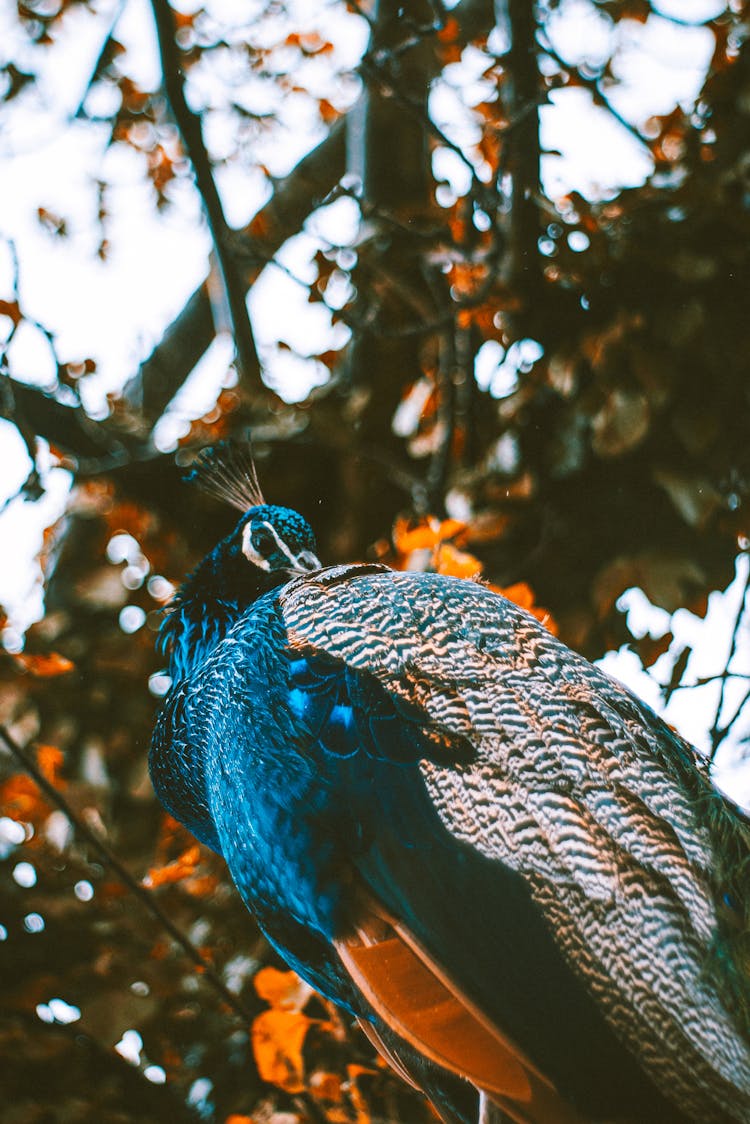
411	762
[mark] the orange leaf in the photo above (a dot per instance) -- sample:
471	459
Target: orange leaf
174	871
329	358
485	527
49	759
359	1103
44	667
428	534
284	991
203	886
458	563
237	1118
649	648
449	32
326	1087
134	518
328	111
520	593
11	310
259	225
20	798
277	1039
53	223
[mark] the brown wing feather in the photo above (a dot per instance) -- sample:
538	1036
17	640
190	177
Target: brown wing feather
423	1005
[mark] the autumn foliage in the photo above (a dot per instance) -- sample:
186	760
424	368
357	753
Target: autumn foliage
545	393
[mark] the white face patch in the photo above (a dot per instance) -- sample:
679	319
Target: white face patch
251	554
259	560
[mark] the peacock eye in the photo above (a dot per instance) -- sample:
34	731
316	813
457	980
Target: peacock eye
262	541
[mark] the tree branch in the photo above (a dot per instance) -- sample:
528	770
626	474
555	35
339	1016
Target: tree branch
189	125
295	196
594	87
188	336
521	95
34	411
717	732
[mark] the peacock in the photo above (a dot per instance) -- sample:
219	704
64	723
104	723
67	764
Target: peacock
508	869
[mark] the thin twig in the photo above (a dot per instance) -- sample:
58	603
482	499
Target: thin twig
114	19
704	679
296	196
717	732
594	88
146	898
721	734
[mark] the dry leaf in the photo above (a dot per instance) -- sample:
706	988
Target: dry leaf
175	871
428	534
284	991
277	1039
49	759
44	667
459	563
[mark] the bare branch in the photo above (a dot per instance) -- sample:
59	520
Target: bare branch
718	733
33	412
191	332
112	21
593	85
521	96
189	125
189	335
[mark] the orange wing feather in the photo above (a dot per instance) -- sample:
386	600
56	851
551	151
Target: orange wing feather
422	1005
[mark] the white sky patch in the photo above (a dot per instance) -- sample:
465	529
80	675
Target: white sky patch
129	1047
41	111
198	394
22	524
659	63
281	312
579	33
690	10
693	709
497	370
112	311
598	156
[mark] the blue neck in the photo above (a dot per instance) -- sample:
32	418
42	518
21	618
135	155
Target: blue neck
209	602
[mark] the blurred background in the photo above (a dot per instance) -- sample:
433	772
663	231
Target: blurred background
473	278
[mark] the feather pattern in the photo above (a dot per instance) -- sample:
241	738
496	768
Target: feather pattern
577	787
357	735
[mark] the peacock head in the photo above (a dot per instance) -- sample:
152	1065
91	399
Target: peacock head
274	539
277	538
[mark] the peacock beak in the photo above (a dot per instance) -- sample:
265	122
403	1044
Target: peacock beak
306	562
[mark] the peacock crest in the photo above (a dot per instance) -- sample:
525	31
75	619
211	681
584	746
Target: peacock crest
227	472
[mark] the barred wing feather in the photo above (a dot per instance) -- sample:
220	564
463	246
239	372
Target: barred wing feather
578	788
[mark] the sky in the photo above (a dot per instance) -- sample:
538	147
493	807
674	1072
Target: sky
116	310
